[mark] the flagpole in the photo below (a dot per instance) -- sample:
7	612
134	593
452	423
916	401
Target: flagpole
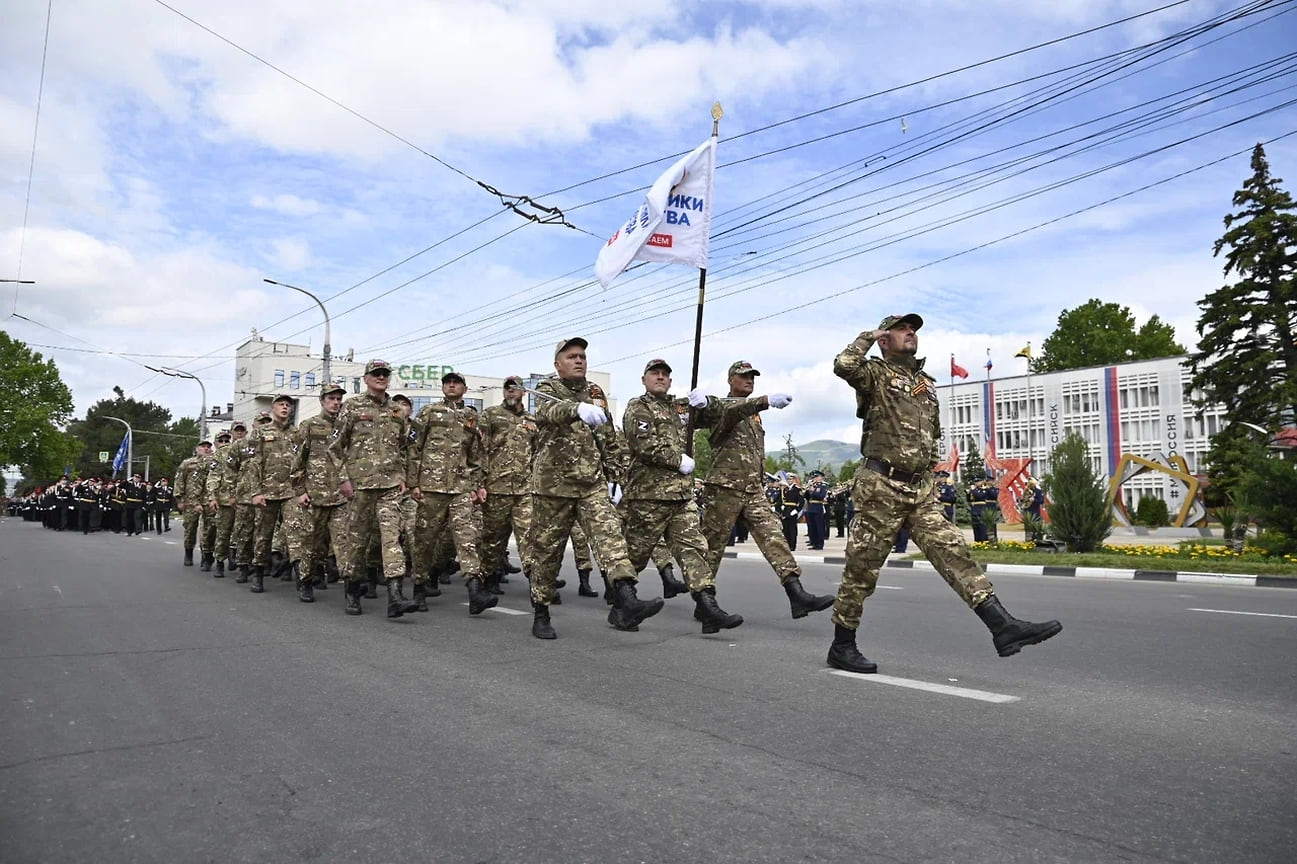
717	114
1030	401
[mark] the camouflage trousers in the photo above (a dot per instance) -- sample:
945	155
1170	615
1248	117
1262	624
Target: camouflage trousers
882	507
245	521
375	511
722	507
438	512
648	522
409	516
267	517
192	517
324	529
503	514
224	528
291	536
552	519
585	559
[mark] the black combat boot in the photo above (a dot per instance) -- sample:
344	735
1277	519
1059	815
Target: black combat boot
189	557
397	603
331	569
352	592
709	613
258	579
420	593
509	566
844	655
205	563
231	564
479	599
628	610
671	586
305	590
1010	634
220	569
802	601
583	576
320	582
607	588
287	570
493	581
541	627
244	570
452	567
371	584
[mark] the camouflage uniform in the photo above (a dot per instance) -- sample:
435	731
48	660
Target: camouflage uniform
315	474
271	459
369	446
659	500
508	436
573	466
581	548
245	517
220	490
191	491
733	485
445	465
902	425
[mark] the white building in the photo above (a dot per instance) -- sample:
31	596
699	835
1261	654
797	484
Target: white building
264	369
1138	409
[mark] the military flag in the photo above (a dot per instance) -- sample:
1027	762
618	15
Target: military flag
119	461
1025	352
957	371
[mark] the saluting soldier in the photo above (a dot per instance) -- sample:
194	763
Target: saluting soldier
314	479
897	402
659	496
734	486
270	459
370	446
508	435
447	478
577	457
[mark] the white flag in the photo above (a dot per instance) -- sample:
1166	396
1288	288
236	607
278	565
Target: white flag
673	224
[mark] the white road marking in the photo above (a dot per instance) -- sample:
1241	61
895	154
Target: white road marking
59	590
877	587
1235	612
944	689
503	610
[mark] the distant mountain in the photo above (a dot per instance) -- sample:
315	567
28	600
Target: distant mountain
831	453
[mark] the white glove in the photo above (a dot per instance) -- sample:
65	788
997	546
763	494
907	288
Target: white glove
697	398
614	494
686	464
591	415
779	400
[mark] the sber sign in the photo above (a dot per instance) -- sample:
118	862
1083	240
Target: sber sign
422	372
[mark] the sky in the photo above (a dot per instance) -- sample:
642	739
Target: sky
986	164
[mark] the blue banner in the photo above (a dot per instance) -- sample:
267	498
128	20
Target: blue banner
119	461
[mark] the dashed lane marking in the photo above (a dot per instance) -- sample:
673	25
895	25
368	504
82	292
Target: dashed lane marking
1236	612
943	689
503	610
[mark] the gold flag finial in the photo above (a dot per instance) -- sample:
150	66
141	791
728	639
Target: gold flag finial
717	114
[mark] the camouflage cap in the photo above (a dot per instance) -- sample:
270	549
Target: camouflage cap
401	397
239	424
283	397
263	416
224	433
326	389
575	340
892	320
375	365
513	381
452	375
742	367
206	442
657	363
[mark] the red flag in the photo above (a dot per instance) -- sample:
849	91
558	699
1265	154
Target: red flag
957	371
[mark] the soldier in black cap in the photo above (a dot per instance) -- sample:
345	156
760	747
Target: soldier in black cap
816	498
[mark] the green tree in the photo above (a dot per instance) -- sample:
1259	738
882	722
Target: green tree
1099	334
702	452
164	443
1269	487
34	404
848	470
971	466
1078	502
1246	358
1233	452
791	457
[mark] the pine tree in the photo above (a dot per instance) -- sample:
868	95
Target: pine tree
1246	358
971	466
1078	505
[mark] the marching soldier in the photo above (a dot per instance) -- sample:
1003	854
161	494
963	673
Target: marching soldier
576	458
370	445
191	495
508	433
221	481
897	402
135	493
447	478
245	516
658	499
314	479
733	486
270	457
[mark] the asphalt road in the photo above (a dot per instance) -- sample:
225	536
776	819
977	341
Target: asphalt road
153	713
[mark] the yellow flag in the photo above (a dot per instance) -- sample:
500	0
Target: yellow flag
1025	352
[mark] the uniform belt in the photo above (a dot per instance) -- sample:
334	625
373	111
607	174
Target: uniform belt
892	473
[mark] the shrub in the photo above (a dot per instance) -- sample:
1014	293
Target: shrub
1078	506
1152	511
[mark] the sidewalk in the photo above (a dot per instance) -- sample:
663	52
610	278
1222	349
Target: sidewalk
834	552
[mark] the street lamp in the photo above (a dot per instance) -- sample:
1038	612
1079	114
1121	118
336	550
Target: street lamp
130	444
202	414
328	347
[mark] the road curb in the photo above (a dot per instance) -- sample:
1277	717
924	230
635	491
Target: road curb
1235	579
